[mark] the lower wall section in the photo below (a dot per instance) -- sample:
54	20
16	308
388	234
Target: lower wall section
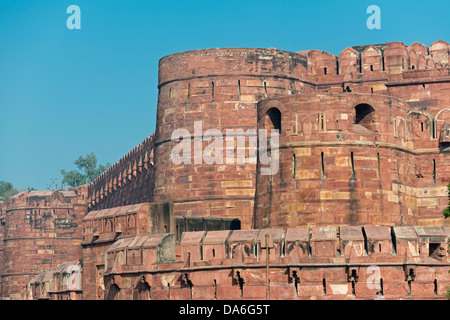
326	282
318	263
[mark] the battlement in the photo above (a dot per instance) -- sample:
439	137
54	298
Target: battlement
392	61
49	198
129	180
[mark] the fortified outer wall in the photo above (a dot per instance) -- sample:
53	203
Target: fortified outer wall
349	262
350	159
404	165
220	89
42	229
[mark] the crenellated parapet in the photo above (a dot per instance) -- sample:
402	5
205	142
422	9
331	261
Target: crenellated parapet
128	181
392	61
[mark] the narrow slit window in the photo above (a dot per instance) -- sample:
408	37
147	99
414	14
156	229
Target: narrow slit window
379	166
381	287
325	71
189	92
322	121
324	284
435	287
352	164
265	89
434	171
398	167
409	287
371	68
293	166
212	91
215	289
322	162
296	281
239	89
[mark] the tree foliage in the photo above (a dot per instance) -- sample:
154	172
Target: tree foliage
7	190
87	170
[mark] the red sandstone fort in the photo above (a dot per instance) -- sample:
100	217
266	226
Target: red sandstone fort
353	212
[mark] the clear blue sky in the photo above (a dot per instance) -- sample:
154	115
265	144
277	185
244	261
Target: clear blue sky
65	93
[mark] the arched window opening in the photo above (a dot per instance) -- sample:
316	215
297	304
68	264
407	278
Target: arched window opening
365	116
274	119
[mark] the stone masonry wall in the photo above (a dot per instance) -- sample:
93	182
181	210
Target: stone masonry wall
42	229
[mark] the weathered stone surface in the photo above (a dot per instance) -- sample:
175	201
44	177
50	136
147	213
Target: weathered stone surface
361	183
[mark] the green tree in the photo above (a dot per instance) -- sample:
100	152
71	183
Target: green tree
87	170
7	190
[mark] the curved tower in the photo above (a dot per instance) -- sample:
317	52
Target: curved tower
348	159
209	95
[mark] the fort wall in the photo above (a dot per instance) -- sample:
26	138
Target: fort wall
220	89
347	262
363	170
41	230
